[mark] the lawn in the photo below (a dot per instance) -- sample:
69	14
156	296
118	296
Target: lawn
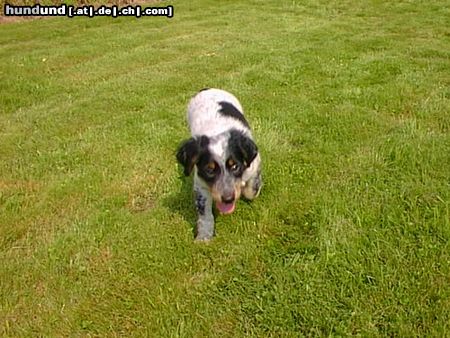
350	106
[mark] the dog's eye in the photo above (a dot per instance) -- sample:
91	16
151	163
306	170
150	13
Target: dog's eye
210	168
233	166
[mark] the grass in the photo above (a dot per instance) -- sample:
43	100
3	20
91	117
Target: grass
349	102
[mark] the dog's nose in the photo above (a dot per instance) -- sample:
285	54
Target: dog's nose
228	198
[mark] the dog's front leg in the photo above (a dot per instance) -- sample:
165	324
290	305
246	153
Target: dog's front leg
205	222
252	187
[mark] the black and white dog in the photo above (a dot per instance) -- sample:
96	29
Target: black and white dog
222	154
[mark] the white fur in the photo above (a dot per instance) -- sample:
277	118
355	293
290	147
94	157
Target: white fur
203	116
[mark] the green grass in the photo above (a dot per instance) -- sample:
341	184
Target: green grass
349	102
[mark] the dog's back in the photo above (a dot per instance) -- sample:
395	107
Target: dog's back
214	111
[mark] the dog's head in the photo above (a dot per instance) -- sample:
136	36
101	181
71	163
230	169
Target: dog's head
220	162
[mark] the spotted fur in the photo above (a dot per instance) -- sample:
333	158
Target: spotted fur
221	153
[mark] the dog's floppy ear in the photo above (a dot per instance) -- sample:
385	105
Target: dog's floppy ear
189	152
243	147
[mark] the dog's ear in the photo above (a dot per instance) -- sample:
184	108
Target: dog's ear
243	147
189	152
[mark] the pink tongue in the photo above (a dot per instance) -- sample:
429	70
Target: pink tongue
225	208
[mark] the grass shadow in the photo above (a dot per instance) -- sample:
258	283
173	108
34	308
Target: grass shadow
181	202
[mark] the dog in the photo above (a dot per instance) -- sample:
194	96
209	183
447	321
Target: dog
222	154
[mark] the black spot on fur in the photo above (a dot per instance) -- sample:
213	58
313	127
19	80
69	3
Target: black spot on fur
242	148
229	110
200	202
190	152
208	175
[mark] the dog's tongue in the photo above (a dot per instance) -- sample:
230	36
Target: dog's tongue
225	208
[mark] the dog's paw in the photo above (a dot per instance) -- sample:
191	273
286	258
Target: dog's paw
202	239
